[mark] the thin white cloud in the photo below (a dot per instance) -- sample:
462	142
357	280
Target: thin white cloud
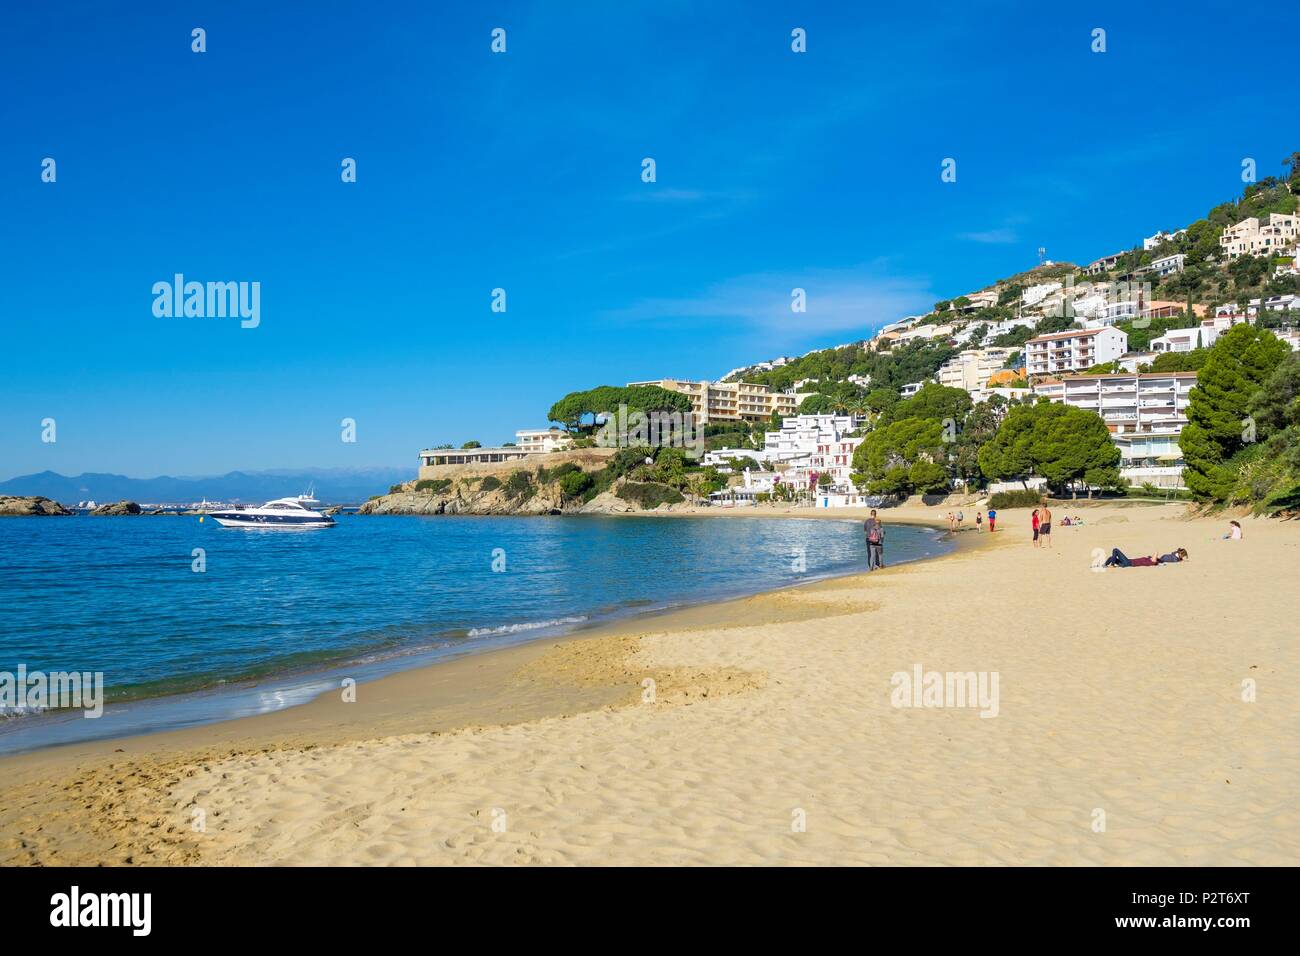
992	237
853	302
666	194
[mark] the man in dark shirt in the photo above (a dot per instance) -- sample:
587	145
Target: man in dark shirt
875	532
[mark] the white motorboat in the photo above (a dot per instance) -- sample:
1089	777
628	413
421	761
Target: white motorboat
282	513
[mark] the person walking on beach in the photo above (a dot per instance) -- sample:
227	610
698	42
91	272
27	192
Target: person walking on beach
961	516
1033	523
993	520
979	521
1045	524
875	532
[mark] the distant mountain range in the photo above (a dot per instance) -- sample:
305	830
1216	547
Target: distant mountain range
332	486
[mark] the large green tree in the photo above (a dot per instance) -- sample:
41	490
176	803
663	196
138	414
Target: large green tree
1218	420
934	401
606	399
1063	444
902	457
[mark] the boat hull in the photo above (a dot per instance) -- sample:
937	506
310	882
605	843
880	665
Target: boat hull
287	522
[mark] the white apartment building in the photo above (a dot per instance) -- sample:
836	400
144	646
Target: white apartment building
971	369
1168	265
713	402
1073	351
542	440
1144	412
1250	237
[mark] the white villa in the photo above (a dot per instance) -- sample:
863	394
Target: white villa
542	440
1168	265
1250	237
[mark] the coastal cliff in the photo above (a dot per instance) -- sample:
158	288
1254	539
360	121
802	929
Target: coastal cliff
20	506
563	486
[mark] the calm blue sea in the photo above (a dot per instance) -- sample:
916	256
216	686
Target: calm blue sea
274	611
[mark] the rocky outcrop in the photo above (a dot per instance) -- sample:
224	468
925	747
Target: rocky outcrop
118	508
17	506
511	490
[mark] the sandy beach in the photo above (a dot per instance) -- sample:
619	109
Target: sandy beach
764	730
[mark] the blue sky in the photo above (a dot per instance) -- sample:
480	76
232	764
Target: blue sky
523	171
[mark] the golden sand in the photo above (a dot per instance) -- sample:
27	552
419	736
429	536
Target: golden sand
762	730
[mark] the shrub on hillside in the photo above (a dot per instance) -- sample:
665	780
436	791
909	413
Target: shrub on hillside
1020	498
649	494
433	485
519	484
490	483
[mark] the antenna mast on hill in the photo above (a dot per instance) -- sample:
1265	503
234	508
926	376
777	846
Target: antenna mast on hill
1042	252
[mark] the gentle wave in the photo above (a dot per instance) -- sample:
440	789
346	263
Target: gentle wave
526	626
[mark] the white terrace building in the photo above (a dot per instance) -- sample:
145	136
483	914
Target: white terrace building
1144	412
1075	351
1251	237
806	447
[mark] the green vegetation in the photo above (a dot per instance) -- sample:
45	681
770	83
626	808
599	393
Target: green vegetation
472	444
1020	498
902	458
434	486
519	484
1177	361
889	368
490	483
606	399
575	483
1243	431
546	475
1063	444
649	494
922	444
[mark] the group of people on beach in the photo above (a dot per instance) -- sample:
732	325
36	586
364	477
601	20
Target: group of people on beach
1041	525
955	519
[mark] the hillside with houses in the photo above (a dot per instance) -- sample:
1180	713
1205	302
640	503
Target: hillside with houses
1094	368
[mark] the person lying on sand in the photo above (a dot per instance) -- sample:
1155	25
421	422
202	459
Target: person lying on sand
1120	560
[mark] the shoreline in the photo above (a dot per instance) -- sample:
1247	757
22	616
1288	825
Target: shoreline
764	703
238	698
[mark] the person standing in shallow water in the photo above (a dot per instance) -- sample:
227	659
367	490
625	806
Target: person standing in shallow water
875	534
